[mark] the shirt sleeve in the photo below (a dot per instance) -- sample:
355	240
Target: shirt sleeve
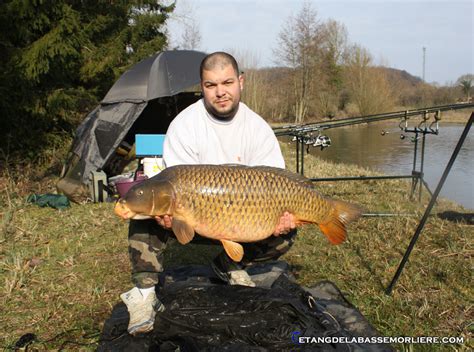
266	150
179	148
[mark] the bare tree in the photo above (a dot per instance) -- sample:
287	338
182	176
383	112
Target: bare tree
465	82
183	29
327	99
253	93
336	41
368	87
191	36
299	44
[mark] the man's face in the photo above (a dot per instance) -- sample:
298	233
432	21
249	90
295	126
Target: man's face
221	89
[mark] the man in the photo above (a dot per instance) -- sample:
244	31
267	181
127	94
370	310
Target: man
217	129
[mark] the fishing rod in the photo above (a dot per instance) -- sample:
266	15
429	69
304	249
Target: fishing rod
319	126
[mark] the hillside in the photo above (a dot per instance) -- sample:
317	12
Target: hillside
396	75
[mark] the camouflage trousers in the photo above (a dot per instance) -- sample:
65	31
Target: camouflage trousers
147	241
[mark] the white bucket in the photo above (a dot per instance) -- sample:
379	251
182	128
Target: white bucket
152	166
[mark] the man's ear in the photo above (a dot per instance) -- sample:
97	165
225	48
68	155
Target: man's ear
241	81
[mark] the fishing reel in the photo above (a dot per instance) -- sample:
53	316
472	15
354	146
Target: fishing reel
320	140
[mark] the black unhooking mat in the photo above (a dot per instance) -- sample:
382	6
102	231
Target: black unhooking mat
203	314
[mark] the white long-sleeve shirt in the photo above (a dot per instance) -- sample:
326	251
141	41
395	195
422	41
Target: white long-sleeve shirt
196	137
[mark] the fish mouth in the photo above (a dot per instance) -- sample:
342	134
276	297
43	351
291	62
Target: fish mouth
122	210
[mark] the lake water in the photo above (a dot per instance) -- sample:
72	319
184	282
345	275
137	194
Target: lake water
365	145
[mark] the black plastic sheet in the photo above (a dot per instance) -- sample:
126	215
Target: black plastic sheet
204	314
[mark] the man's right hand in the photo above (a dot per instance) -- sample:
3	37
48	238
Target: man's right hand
164	221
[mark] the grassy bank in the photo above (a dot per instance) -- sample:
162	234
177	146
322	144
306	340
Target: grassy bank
63	271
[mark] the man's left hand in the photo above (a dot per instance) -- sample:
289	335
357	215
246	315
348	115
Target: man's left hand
286	224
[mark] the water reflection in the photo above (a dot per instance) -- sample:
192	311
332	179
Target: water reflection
365	145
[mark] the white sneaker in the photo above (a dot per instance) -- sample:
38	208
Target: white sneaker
240	277
142	310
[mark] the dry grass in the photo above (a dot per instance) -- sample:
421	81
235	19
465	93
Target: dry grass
62	271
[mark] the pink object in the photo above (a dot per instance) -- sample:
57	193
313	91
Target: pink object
124	185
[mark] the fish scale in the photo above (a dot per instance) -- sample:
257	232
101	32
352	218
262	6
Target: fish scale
235	203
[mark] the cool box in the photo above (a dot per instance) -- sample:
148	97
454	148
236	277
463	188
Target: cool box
149	144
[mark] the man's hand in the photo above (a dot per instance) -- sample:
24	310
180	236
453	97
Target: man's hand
286	224
164	221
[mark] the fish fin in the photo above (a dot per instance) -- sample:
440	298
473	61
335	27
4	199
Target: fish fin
182	230
342	214
234	250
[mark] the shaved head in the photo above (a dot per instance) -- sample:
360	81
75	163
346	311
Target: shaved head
221	85
219	60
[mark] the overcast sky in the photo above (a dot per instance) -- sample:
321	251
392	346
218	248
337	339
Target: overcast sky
394	32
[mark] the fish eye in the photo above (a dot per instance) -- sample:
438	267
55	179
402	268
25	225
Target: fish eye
140	192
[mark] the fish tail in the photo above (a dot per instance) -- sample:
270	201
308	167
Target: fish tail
342	213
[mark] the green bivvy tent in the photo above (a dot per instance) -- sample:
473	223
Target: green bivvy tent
145	99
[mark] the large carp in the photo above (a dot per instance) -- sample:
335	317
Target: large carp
234	203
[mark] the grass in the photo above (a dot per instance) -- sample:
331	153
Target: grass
63	271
